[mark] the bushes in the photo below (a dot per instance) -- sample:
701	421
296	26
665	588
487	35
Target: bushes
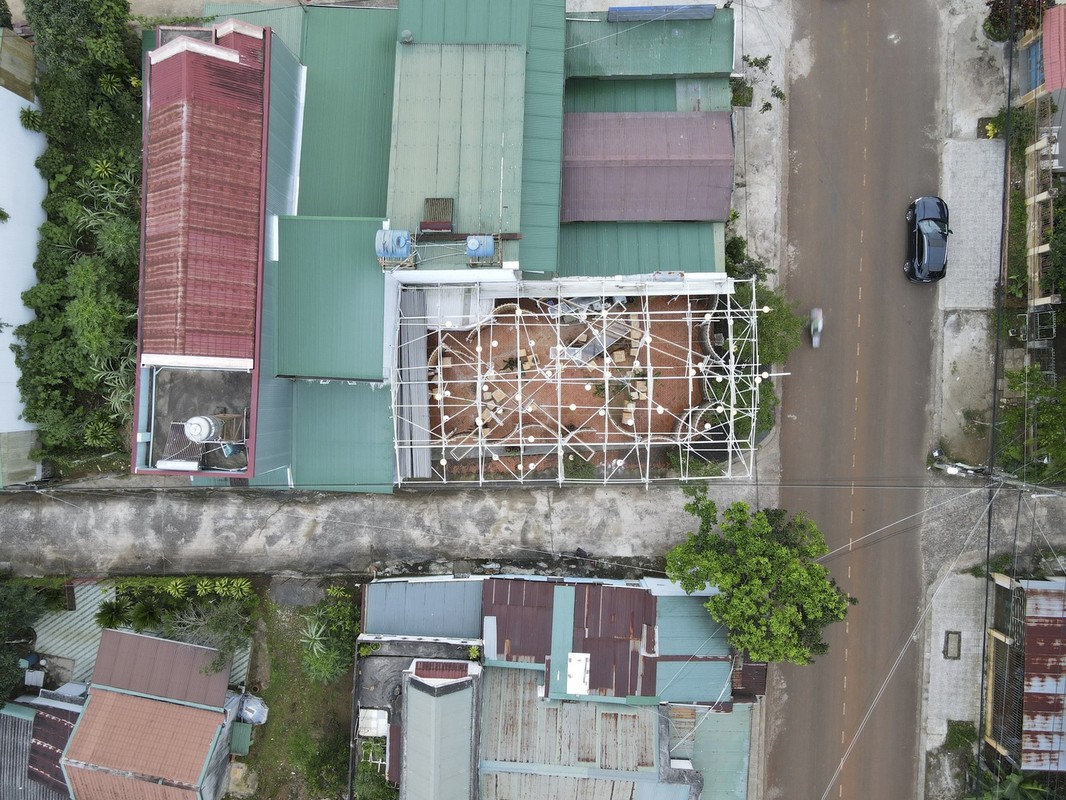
85	301
328	636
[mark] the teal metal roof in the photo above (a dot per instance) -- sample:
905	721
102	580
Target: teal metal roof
342	437
542	149
659	49
457	131
667	94
686	629
438	752
75	634
634	248
286	19
349	55
17	711
564	602
693	681
720	752
469	22
240	741
330	299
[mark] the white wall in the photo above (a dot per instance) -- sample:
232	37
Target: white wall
21	191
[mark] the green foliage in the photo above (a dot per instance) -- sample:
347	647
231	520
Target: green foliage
962	736
767	413
21	604
780	329
223	624
146	616
370	783
366	650
30	119
1033	423
1012	786
115	613
84	303
5	15
1027	16
329	636
11	674
777	92
774	598
739	265
473	653
687	465
761	63
742	93
323	763
4	216
1022	132
577	468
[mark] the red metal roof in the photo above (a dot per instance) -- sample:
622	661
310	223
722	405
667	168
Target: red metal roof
444	670
647	167
1043	711
1054	44
523	611
203	191
51	731
610	623
159	667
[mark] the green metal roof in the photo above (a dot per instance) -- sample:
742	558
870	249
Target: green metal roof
349	55
693	681
720	752
659	49
542	150
457	131
667	94
19	712
342	437
330	299
686	629
564	601
634	248
469	22
438	753
286	19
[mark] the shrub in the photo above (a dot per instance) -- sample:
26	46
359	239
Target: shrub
329	636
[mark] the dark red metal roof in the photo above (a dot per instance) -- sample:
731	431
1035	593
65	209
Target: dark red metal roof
523	611
203	197
1054	46
647	167
444	670
1043	710
51	731
610	623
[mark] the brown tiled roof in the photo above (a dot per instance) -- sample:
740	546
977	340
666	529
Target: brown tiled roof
647	167
151	740
90	785
203	197
523	611
444	670
159	667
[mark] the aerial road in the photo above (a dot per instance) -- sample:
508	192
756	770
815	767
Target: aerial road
855	411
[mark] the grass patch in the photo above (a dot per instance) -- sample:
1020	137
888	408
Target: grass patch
962	735
304	744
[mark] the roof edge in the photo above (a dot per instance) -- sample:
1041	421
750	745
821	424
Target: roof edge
186	44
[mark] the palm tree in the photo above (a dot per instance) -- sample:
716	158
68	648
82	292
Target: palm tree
114	613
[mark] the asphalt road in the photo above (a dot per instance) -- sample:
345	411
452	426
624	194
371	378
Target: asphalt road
862	141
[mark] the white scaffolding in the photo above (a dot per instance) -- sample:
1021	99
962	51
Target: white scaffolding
626	380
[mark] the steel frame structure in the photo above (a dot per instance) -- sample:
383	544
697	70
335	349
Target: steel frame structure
550	382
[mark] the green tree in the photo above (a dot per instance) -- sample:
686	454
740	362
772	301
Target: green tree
780	329
20	606
773	597
1034	423
222	625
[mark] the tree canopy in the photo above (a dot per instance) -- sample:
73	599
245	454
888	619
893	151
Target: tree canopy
774	598
20	606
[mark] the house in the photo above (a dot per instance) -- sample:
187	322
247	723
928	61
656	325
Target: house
513	274
554	687
22	189
156	724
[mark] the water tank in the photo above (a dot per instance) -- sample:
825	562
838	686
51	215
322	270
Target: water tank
393	245
480	246
203	429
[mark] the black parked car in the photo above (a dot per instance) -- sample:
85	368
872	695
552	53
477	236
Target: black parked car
927	243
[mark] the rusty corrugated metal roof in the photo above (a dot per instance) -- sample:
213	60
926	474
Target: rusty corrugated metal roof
1043	745
51	732
523	612
647	167
203	190
446	670
610	623
160	668
125	746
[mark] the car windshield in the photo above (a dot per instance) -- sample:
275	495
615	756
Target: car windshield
933	228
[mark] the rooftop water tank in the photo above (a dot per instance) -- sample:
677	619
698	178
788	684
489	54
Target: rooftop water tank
480	246
393	245
203	429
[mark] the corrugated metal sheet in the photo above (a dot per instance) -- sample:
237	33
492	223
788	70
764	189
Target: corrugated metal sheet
1054	46
75	634
612	248
610	623
160	668
1043	735
411	390
467	21
330	299
681	94
151	739
16	735
542	143
523	612
438	744
686	629
342	438
424	608
720	752
202	195
350	55
661	49
647	167
286	19
457	131
693	681
529	745
52	728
